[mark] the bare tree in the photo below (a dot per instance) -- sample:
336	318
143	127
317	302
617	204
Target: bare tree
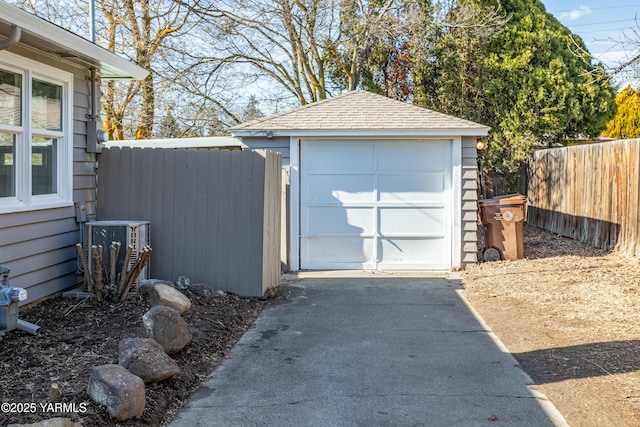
363	25
145	26
282	40
72	14
631	44
293	43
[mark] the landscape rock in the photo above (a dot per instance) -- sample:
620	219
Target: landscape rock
121	392
167	327
145	283
202	289
145	358
52	422
183	282
168	296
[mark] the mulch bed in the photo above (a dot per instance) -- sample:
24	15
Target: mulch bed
77	334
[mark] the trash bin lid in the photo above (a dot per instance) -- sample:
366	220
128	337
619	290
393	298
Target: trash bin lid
509	199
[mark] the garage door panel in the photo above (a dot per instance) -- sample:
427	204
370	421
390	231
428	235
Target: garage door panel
322	158
412	157
409	252
339	220
412	221
340	188
338	250
375	204
411	188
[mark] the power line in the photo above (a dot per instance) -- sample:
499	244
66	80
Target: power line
603	22
604	30
597	8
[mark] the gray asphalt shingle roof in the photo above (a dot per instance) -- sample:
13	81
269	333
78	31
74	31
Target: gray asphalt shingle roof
359	110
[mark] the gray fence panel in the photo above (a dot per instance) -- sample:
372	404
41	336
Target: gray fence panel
214	214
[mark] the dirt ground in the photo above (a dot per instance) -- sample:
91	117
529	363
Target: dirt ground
570	314
78	334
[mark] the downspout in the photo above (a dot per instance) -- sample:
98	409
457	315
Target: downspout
13	38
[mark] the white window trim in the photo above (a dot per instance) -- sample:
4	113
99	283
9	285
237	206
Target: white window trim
24	200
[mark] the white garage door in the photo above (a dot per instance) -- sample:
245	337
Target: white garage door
375	205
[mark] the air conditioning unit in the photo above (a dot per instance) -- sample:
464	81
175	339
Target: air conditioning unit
128	233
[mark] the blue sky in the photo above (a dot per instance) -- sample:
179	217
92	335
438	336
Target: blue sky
603	25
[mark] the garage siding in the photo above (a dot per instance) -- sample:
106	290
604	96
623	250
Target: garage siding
279	144
469	201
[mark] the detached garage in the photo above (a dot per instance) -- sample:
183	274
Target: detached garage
374	183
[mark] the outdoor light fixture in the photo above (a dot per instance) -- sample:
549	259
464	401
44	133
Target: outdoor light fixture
479	144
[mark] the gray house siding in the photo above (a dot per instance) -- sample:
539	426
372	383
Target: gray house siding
469	201
39	246
84	163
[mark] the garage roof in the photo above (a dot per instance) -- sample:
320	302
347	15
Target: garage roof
45	36
363	111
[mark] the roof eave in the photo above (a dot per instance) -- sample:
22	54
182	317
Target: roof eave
477	132
109	64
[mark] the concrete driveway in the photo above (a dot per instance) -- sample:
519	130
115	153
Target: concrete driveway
369	349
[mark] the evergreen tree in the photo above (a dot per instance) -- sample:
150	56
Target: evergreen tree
626	123
251	110
528	82
169	127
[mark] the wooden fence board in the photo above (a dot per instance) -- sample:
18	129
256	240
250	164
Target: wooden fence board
589	193
214	214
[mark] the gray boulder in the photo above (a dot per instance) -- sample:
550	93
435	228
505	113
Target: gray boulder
167	327
145	358
121	392
145	283
183	282
202	289
168	296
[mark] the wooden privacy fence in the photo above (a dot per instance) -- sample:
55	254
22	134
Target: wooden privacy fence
588	192
214	214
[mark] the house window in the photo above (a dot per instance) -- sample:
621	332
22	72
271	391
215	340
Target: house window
35	135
